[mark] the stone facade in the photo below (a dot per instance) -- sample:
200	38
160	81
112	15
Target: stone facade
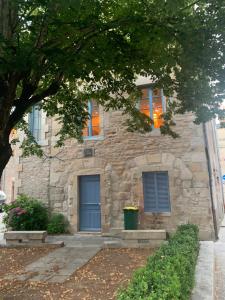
120	157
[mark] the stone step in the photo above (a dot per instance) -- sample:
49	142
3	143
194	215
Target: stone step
112	244
147	234
134	244
116	232
142	243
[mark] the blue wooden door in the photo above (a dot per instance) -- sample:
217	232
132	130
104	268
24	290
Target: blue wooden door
90	209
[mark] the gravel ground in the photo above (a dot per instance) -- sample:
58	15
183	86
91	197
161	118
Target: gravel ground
99	279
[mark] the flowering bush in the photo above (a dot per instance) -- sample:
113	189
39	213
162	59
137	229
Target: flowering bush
26	213
18	211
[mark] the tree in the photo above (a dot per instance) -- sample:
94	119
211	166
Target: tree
59	53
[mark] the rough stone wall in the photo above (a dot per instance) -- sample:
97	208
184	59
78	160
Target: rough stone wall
34	178
120	158
28	175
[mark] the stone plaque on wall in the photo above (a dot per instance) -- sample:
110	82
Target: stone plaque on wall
88	152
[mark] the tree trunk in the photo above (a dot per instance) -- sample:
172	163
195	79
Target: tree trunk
8	19
5	154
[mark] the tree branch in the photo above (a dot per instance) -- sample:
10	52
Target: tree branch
24	104
190	5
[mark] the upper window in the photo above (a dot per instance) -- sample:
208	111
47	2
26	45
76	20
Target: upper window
156	192
93	124
34	121
152	104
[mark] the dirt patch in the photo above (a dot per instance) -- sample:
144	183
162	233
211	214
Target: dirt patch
99	279
13	260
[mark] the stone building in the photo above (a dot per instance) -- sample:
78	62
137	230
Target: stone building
172	181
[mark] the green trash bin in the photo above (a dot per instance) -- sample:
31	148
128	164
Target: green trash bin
130	218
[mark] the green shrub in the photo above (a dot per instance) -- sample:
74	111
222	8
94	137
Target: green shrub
26	213
58	224
169	273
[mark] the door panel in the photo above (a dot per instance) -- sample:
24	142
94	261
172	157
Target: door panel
90	209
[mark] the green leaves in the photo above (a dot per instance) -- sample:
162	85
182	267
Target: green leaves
169	273
26	213
29	145
57	224
96	48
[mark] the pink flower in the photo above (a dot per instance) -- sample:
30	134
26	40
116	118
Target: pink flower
18	211
21	212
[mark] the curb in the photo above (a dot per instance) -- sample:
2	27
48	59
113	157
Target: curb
204	273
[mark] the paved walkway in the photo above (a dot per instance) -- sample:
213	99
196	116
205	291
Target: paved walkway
58	265
210	270
204	273
220	266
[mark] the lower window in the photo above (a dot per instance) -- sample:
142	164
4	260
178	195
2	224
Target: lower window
156	191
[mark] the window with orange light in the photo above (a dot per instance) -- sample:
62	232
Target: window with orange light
152	105
93	124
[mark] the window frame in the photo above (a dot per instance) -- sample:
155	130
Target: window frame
31	122
157	210
150	99
89	124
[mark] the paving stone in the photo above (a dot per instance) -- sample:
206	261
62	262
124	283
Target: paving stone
41	277
61	263
204	274
210	270
58	278
220	266
58	265
144	234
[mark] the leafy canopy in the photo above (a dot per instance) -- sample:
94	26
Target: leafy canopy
61	53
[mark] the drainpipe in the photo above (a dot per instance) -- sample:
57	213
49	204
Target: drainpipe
220	169
210	180
49	166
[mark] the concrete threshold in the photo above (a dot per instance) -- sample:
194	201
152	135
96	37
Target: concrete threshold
204	273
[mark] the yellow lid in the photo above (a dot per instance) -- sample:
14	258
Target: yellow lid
130	208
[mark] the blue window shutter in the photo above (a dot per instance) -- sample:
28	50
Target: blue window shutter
156	192
150	197
163	191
